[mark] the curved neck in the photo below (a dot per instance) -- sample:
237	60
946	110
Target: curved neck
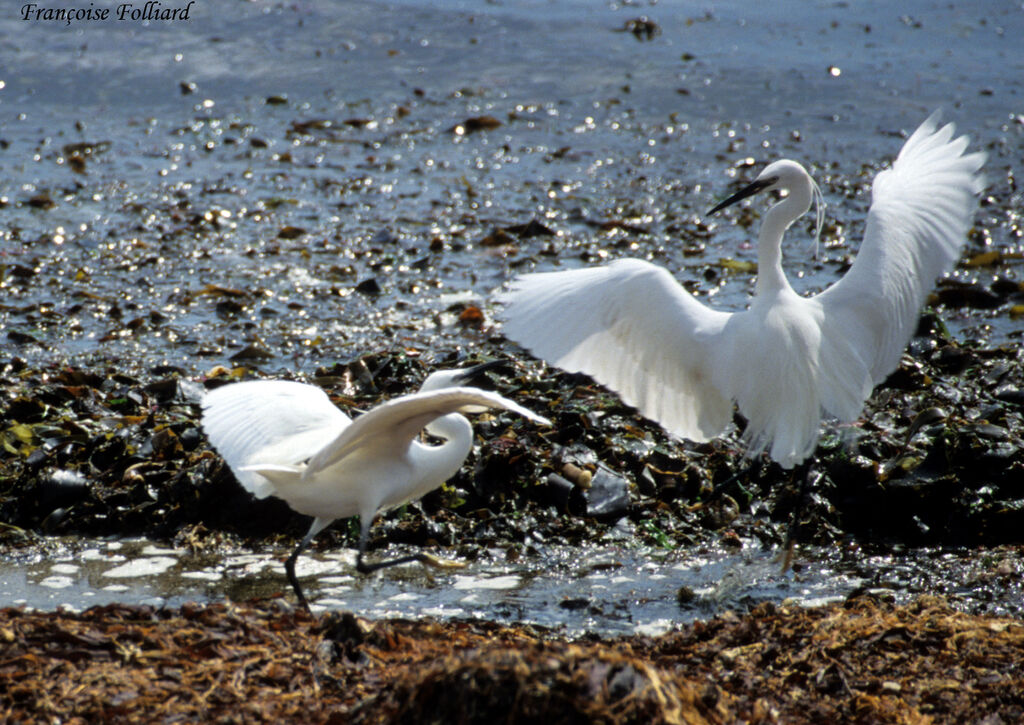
439	463
770	277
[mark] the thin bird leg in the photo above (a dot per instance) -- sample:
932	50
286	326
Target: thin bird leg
734	480
289	566
426	559
363	568
805	471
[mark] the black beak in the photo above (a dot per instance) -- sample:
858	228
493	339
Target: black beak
749	190
470	374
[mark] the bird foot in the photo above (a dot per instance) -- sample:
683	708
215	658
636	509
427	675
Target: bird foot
438	563
786	556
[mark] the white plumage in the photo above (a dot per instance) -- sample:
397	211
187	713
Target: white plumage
287	439
787	359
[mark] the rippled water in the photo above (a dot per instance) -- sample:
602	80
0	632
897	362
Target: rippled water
608	588
185	195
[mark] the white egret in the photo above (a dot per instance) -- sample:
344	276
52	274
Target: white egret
787	359
288	440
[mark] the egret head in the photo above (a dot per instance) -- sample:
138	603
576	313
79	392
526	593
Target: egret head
788	177
782	174
461	376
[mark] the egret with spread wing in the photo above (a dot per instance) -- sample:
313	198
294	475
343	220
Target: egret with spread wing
787	359
288	440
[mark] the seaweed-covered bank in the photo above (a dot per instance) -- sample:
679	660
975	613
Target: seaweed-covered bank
861	660
937	459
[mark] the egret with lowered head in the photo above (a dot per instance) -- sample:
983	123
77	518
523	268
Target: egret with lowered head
787	359
288	440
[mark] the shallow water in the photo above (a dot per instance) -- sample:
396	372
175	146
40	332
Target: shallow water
168	249
609	588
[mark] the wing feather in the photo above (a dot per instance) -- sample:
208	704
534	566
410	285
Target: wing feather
920	214
400	420
632	327
270	423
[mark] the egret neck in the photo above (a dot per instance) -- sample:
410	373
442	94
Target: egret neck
770	277
439	463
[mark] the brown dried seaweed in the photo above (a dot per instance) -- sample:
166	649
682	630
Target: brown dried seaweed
860	661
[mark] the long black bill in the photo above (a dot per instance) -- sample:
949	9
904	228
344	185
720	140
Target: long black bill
749	190
475	372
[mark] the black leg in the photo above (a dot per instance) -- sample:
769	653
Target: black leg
289	567
734	480
363	568
805	473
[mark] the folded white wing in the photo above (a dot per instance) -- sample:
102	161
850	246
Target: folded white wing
398	421
270	423
920	214
631	327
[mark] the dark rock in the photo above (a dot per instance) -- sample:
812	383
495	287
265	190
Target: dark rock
369	286
607	499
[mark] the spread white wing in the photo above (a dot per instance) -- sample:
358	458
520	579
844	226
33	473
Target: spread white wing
397	422
631	327
269	422
921	211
